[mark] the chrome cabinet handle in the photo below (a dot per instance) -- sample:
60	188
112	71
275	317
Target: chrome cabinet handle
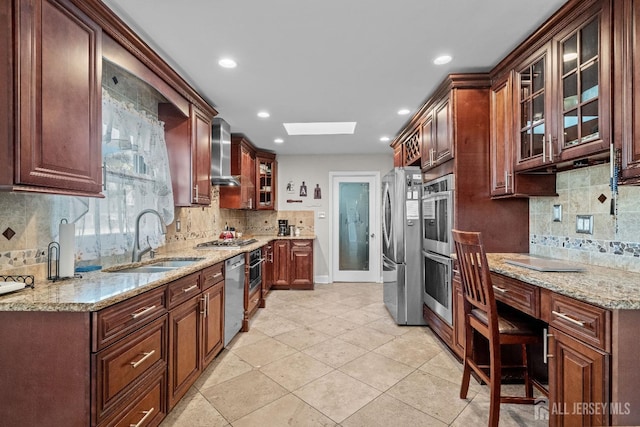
147	414
190	288
104	175
544	148
145	357
143	312
204	305
568	319
218	274
506	181
550	148
501	290
545	346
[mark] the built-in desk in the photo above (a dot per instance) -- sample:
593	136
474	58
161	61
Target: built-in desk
591	318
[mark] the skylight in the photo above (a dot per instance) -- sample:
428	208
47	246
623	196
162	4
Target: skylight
320	128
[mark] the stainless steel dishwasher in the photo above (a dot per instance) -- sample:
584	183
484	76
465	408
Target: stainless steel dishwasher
233	296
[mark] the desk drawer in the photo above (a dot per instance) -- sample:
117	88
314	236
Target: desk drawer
113	323
183	289
517	294
583	321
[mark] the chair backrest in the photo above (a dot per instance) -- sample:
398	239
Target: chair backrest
474	272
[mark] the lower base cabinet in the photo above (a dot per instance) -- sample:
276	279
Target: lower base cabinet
293	264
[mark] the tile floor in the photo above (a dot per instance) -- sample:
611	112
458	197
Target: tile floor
335	357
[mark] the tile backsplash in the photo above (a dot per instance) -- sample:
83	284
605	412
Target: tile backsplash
615	241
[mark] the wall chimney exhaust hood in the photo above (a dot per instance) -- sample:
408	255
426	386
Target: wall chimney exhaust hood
221	154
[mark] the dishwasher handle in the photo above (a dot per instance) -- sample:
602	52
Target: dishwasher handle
234	265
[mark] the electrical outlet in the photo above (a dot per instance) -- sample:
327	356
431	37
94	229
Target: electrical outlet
584	224
557	213
321	215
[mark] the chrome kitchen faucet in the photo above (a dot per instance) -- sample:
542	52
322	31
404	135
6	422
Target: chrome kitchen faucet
137	254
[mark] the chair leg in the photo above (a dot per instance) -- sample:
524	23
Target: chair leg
495	375
527	372
466	371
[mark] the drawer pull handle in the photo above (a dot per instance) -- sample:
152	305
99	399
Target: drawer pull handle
218	274
190	288
147	414
145	357
143	312
569	319
501	290
546	354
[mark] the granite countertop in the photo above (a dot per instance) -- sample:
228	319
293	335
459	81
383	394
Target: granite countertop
605	287
99	289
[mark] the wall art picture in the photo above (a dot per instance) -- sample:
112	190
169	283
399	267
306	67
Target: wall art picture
317	193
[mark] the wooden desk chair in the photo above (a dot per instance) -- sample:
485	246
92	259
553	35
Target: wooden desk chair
480	314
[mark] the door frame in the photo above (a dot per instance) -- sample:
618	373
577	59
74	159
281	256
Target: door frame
375	264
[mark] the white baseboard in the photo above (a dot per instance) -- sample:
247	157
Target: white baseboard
321	279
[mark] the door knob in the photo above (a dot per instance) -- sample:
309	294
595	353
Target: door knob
373	235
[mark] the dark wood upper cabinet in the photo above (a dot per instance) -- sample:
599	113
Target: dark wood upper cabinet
627	89
266	168
243	164
437	134
53	131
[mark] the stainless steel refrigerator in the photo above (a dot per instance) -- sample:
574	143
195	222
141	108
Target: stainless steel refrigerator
401	245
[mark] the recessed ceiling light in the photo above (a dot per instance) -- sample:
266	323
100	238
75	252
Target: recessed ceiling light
278	140
403	112
320	128
227	63
443	59
385	139
263	114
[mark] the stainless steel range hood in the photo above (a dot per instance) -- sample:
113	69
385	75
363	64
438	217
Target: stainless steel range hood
221	154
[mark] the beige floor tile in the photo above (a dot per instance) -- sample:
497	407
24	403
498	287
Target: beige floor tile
432	395
359	316
422	334
334	352
446	367
366	337
511	415
378	308
333	308
292	372
358	301
302	338
376	370
194	411
245	338
305	316
286	411
385	411
243	394
334	326
264	352
226	365
337	395
388	326
408	352
275	326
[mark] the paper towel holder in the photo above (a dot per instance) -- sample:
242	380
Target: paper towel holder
53	264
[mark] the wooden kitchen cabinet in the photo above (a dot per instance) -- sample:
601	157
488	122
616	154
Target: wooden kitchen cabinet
504	181
243	164
196	327
293	264
398	156
437	134
578	380
52	70
189	149
627	89
266	183
267	272
458	341
407	147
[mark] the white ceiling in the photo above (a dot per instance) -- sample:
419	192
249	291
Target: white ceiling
327	60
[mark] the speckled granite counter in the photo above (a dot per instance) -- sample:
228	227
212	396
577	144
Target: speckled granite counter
604	287
99	289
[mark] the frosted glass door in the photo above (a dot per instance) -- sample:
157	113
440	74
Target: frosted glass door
354	226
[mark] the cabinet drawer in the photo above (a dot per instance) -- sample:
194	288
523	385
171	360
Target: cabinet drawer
301	243
147	407
122	366
182	289
586	322
254	299
113	323
212	275
516	294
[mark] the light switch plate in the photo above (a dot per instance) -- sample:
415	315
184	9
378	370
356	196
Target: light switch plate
321	215
557	213
584	224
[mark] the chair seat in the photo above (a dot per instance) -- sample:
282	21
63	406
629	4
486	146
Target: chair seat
508	324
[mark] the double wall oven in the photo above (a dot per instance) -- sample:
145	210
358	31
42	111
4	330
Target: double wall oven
437	246
255	261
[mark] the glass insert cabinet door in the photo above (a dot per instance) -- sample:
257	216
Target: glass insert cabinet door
532	109
580	85
354	226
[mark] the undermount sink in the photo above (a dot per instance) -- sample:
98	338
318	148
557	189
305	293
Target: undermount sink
159	266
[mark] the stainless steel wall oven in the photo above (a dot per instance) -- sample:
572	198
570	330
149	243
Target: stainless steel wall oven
437	246
255	269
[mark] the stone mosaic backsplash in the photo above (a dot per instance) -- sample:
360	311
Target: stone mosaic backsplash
615	241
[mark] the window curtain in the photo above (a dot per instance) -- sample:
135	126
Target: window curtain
137	177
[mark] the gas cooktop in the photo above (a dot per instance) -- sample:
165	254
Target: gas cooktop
225	244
